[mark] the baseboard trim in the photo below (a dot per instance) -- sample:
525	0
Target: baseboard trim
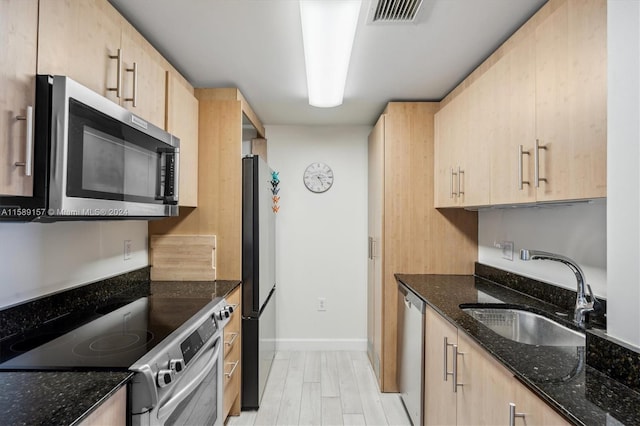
321	344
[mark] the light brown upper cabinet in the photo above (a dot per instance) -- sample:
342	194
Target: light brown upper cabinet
18	35
515	101
89	41
182	121
571	102
406	234
536	115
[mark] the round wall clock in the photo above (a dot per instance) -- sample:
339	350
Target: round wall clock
318	177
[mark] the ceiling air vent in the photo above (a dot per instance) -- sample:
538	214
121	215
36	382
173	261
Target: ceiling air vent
395	11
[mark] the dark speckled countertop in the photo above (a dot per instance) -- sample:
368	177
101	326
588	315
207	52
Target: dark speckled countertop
67	397
55	398
558	375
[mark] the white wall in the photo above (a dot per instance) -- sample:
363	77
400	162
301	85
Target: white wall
623	174
38	259
577	231
321	238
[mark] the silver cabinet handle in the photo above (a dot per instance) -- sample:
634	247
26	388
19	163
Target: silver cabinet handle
233	369
118	88
452	194
233	339
133	99
536	160
447	373
521	182
373	248
460	173
28	163
370	242
455	368
513	414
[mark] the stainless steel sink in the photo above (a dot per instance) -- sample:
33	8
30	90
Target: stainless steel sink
526	327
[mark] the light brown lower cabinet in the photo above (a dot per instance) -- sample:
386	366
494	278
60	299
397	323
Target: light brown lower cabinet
112	412
233	357
464	385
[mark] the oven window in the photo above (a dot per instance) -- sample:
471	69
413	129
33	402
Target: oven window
200	407
108	159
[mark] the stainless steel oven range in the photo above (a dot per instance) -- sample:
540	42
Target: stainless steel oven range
174	345
180	381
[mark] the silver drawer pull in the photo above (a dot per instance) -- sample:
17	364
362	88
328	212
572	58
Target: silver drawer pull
233	369
521	181
536	159
134	98
118	88
513	414
447	373
28	163
455	368
233	339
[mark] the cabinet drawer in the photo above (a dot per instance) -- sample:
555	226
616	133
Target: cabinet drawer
232	366
231	340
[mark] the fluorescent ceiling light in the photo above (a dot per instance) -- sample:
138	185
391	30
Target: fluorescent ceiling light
328	29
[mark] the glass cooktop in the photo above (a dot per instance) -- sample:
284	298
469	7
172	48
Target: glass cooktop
110	337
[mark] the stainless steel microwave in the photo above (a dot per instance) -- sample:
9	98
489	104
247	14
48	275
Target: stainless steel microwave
94	159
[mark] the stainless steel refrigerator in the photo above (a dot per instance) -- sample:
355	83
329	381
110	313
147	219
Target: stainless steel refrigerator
258	279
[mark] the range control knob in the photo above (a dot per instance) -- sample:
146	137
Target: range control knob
230	309
176	365
164	377
223	314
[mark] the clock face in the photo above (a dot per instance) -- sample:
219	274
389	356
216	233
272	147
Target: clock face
318	177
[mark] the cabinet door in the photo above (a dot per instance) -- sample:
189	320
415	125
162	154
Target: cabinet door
474	177
439	398
515	94
18	37
450	143
77	38
571	101
483	398
182	121
536	412
112	412
374	274
144	78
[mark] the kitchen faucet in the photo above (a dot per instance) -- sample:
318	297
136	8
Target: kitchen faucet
582	305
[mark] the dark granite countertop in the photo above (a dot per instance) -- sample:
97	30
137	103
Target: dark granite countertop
558	375
55	398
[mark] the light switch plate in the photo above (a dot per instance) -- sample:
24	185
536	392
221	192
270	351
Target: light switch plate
507	250
127	249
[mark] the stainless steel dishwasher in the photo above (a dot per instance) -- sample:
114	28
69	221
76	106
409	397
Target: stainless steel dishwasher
411	352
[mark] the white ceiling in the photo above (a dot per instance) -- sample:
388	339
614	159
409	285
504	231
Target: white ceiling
256	45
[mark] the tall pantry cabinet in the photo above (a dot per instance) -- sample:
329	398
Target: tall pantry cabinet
406	233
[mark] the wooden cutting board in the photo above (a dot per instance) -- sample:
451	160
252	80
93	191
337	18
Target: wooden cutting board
183	257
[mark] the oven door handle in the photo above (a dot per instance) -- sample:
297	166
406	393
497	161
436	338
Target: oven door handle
167	408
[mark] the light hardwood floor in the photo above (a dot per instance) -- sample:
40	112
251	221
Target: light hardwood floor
323	388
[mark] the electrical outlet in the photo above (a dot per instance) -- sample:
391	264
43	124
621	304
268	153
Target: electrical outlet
322	304
127	249
507	250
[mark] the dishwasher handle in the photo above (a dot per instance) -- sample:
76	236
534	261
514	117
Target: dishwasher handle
411	299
